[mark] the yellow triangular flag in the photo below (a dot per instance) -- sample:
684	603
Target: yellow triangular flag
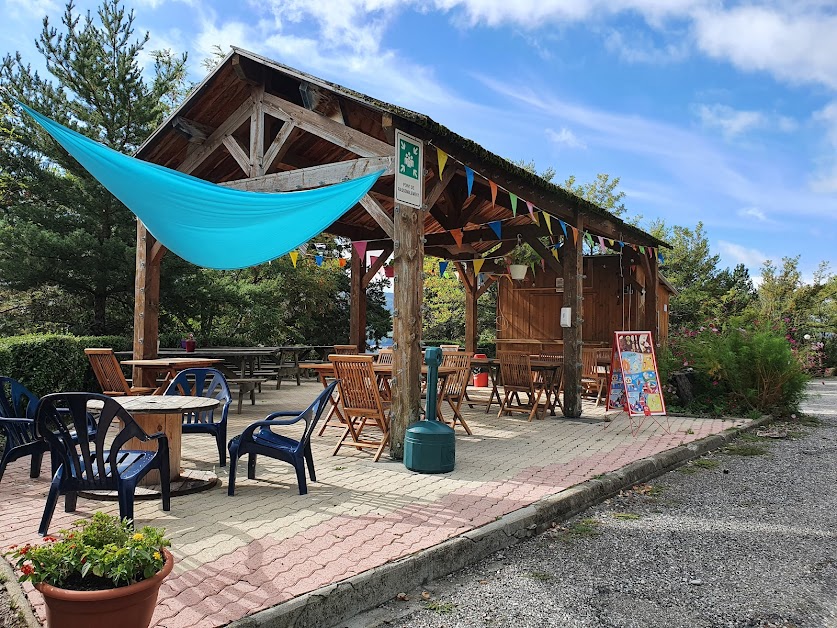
294	256
478	265
535	218
555	253
443	159
548	222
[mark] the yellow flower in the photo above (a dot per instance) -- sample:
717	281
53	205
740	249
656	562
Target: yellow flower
157	556
138	537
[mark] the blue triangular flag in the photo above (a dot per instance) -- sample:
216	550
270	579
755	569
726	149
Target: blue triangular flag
563	227
318	259
443	266
495	227
469	176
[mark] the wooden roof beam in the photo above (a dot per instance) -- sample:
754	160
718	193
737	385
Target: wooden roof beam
230	125
195	132
380	215
338	134
316	176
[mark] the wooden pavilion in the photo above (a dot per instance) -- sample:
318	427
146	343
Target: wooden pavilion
255	124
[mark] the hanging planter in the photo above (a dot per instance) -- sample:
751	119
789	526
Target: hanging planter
518	271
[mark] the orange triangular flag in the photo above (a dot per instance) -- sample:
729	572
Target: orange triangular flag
493	187
443	159
457	235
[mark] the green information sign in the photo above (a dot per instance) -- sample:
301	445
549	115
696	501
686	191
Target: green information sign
409	179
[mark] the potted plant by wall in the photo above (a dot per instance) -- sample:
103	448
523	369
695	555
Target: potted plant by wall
100	572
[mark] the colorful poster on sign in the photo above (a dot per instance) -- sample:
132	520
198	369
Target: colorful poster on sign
409	170
634	381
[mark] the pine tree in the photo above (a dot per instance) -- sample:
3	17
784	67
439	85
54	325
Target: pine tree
58	226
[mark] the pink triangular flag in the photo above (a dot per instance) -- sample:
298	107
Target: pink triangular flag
360	247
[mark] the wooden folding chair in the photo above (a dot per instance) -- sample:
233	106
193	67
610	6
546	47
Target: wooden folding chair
455	386
385	356
362	404
346	349
516	371
557	382
592	381
110	376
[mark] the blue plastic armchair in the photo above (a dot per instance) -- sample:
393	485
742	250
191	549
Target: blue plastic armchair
259	438
88	463
17	412
203	382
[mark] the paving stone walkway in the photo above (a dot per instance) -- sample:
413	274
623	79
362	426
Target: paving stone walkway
267	544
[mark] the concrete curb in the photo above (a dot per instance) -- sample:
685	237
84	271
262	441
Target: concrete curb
338	602
18	597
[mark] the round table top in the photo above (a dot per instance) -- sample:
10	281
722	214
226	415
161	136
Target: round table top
164	404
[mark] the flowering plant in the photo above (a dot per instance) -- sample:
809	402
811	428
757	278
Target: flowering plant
99	553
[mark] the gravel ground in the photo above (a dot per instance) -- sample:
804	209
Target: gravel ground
734	540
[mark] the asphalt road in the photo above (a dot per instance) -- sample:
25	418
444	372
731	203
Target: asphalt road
734	540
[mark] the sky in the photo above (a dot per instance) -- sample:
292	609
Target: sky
707	110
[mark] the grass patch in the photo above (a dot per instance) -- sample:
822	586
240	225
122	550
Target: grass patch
584	528
750	437
439	607
627	516
540	575
807	421
744	450
695	466
2	578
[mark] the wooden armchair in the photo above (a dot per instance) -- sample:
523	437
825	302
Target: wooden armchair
110	376
363	407
516	372
558	379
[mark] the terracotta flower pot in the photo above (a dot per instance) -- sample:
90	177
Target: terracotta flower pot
125	607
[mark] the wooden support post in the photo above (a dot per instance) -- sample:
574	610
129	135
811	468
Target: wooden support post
469	282
406	324
146	303
652	279
357	303
573	263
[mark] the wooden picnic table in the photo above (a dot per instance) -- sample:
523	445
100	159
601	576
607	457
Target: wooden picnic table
163	413
170	366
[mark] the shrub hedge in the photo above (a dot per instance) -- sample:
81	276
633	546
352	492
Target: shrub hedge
47	363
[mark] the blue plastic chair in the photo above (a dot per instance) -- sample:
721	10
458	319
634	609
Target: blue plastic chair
203	382
88	463
17	413
258	438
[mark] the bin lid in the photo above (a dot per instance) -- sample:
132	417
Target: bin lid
480	355
430	428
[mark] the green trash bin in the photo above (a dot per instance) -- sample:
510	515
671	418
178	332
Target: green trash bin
430	446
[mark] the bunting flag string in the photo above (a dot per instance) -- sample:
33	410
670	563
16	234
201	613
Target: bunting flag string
496	227
513	199
294	257
443	266
469	178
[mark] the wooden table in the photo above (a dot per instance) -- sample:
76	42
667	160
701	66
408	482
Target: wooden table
163	413
170	366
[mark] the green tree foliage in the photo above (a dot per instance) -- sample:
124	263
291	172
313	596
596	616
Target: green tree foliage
601	191
59	229
443	309
272	303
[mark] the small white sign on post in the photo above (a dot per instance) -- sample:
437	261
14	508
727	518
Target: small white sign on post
409	171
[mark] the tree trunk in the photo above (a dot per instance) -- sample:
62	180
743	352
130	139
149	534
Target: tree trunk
99	327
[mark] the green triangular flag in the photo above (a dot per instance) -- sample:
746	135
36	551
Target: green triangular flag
513	199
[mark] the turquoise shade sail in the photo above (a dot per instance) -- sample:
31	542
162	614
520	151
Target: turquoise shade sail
204	223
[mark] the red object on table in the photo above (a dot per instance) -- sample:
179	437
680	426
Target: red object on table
481	379
190	346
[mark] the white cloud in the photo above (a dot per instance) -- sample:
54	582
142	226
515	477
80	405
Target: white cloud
730	121
751	258
826	179
795	44
753	212
564	137
637	48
